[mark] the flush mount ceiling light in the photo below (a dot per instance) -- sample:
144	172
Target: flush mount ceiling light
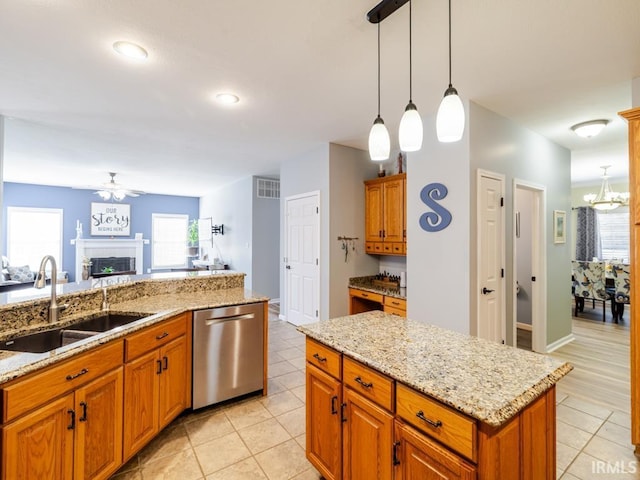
112	190
130	50
227	98
607	199
450	118
379	141
410	132
589	129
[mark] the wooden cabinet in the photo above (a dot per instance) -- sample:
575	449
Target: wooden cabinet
385	215
155	381
73	429
364	301
396	306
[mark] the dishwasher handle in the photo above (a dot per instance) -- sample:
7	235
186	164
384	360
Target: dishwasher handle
212	321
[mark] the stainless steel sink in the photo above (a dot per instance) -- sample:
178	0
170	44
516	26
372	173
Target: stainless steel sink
106	321
51	339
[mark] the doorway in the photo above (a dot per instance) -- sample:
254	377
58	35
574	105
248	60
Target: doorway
302	258
529	271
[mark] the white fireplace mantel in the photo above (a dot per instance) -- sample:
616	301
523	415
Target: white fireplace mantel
108	247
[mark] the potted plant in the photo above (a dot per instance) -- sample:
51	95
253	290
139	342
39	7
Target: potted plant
192	238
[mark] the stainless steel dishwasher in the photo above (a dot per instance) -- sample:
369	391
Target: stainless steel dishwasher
228	353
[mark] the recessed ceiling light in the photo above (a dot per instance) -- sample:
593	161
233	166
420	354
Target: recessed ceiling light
131	50
227	98
589	129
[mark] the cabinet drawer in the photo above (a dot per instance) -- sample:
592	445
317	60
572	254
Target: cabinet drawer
374	247
374	297
153	337
395	303
325	358
395	311
452	428
368	383
42	387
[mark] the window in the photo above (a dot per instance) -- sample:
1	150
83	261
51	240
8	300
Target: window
169	240
614	235
33	233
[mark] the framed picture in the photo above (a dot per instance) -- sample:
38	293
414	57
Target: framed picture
110	219
559	226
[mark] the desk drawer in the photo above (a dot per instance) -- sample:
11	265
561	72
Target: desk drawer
368	383
395	303
451	428
155	336
374	297
325	358
41	387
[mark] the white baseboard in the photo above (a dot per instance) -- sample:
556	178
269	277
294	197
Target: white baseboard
524	326
282	317
561	342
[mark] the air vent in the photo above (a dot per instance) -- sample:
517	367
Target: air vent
268	188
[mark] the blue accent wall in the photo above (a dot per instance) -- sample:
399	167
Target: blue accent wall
76	205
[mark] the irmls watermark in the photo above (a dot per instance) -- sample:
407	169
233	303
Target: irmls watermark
610	468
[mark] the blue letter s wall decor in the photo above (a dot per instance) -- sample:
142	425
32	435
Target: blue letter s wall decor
440	218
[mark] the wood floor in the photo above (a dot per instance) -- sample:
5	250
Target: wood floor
600	357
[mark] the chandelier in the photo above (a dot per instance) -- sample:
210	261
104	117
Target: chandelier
607	199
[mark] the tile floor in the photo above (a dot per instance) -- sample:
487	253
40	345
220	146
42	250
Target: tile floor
263	438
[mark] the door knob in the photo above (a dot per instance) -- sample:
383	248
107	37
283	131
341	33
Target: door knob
486	291
288	267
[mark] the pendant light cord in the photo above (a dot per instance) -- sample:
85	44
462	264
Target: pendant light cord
378	68
410	62
449	42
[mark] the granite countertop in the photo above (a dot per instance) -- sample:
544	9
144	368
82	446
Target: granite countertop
485	380
158	307
366	283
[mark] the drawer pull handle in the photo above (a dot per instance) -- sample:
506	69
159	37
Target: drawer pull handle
334	405
83	417
365	294
434	424
395	303
162	335
80	373
319	358
363	383
72	425
396	461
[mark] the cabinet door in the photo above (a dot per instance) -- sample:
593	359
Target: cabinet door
40	445
368	439
98	449
417	457
324	438
393	210
141	383
373	212
173	381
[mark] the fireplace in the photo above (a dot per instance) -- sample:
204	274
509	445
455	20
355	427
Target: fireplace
105	266
97	250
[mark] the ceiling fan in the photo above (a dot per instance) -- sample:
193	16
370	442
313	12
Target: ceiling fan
116	191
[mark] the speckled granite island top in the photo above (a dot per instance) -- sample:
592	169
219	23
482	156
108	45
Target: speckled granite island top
485	380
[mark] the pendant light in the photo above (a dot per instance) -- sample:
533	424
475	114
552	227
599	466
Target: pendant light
379	142
450	119
410	132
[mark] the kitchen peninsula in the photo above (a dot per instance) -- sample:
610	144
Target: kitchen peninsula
137	375
391	397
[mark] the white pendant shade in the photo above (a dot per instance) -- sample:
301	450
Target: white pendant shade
379	141
450	119
410	132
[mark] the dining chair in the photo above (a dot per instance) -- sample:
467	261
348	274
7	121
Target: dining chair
589	284
620	294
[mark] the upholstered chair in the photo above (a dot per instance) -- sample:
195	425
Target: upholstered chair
621	289
589	283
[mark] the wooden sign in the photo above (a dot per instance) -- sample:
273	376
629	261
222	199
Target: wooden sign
110	219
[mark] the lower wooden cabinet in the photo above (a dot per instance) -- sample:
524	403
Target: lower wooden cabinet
417	457
77	436
323	422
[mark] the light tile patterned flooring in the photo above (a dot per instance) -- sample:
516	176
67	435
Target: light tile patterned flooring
263	438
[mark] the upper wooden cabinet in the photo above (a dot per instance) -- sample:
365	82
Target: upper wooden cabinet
385	212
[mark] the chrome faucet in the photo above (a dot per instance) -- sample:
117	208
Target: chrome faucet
40	282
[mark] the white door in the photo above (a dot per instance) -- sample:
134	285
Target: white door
302	274
491	297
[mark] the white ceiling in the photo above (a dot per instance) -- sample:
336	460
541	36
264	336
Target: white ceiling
306	75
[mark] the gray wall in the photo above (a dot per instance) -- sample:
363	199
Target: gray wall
499	145
266	245
524	243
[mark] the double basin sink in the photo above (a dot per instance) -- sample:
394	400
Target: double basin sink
51	339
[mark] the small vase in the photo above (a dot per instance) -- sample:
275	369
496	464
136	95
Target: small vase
85	272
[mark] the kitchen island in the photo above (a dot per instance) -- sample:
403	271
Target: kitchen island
391	397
